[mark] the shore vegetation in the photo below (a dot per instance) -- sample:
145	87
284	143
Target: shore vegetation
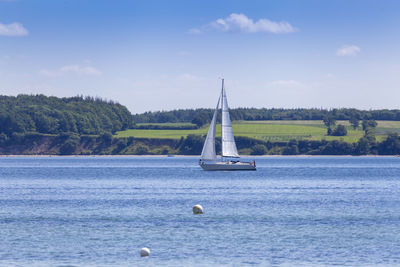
42	125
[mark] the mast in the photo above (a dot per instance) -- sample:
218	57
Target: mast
222	108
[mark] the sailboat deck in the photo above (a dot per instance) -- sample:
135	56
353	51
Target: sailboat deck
229	166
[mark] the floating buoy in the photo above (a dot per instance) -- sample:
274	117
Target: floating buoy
197	209
144	252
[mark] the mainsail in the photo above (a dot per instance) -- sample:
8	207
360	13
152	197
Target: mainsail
208	152
228	141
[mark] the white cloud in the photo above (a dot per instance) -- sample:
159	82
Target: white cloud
241	23
348	50
72	69
186	77
13	29
286	84
49	73
76	69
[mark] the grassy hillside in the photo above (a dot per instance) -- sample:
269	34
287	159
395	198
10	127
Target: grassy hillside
272	131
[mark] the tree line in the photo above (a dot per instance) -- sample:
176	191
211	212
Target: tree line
203	116
52	115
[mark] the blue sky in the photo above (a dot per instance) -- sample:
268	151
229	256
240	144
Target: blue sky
162	55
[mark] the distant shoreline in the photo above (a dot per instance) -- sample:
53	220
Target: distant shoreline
189	156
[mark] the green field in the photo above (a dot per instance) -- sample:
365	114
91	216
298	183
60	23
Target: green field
271	130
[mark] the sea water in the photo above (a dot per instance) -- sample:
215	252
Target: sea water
292	211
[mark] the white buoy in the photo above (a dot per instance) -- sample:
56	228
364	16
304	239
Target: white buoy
197	209
144	252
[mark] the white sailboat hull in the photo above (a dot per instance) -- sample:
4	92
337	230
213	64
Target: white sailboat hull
228	166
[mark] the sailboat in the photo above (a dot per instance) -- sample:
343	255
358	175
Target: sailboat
229	156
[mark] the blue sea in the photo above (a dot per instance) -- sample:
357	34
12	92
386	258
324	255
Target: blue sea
292	211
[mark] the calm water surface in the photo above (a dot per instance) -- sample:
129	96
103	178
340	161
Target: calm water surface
99	211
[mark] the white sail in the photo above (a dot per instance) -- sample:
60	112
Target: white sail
228	141
208	152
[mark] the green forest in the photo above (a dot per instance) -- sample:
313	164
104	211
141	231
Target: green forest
53	115
39	124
